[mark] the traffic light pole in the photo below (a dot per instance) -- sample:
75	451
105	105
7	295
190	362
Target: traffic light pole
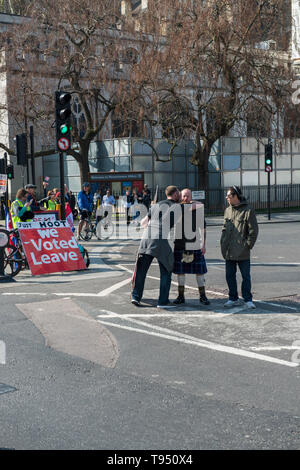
62	186
269	196
63	114
268	169
32	155
6	192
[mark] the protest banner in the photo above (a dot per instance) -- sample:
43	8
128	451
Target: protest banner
50	247
45	216
3	183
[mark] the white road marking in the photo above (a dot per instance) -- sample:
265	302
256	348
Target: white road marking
276	305
222	263
120	284
275	348
111	289
217	268
149	325
206	344
166	315
211	292
71	294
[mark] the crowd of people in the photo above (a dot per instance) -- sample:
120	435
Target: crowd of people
105	202
238	236
26	205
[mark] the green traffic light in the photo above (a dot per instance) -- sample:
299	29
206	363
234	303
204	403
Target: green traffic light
268	161
64	129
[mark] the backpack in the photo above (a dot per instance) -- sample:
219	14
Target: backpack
84	254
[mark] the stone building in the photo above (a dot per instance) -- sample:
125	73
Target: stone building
235	159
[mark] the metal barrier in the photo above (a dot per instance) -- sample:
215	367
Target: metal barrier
283	196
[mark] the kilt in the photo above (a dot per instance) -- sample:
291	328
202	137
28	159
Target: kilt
197	266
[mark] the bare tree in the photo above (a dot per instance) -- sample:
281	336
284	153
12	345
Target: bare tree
14	7
208	66
195	69
79	47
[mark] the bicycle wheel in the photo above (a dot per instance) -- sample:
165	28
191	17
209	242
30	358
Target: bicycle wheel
86	258
86	232
104	229
25	264
12	261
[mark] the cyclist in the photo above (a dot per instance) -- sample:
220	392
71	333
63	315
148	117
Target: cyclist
85	205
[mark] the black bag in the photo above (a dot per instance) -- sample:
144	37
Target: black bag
27	215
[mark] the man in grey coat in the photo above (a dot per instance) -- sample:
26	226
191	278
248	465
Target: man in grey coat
156	244
239	234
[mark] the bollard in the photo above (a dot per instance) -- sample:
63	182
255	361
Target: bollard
4	241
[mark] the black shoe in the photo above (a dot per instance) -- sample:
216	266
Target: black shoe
204	300
180	300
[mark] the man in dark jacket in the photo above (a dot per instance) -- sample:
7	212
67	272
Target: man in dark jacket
85	200
239	234
155	243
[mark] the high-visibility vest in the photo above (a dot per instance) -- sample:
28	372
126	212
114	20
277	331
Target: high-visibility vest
15	219
51	206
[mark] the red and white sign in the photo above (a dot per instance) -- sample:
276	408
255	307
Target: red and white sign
3	183
50	247
268	169
63	143
45	216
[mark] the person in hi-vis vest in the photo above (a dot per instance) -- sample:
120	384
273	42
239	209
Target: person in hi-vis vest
20	209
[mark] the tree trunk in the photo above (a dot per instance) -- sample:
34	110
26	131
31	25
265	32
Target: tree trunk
203	181
83	162
200	160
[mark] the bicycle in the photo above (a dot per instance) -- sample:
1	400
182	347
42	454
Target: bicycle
102	230
14	256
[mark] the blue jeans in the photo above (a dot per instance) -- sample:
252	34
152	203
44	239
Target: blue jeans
143	264
244	267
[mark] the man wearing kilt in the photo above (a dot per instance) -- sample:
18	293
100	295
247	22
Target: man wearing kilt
190	261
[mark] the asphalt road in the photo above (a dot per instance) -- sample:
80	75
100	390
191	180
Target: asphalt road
84	369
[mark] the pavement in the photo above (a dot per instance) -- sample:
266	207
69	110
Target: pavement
88	370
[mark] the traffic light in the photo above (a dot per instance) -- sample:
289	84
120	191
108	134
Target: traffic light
268	158
63	120
21	140
2	166
10	171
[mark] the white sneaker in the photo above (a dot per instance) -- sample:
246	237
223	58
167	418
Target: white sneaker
231	303
250	304
169	305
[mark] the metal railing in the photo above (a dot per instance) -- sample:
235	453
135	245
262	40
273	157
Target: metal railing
282	196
